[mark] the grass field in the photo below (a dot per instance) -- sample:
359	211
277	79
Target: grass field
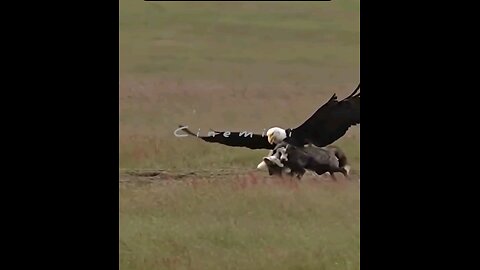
243	222
232	66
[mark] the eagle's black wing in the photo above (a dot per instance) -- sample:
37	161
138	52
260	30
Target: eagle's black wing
330	122
237	139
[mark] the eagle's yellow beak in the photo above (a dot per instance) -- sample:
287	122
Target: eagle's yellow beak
271	139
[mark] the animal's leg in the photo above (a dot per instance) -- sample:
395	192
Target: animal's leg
299	173
333	170
290	172
320	170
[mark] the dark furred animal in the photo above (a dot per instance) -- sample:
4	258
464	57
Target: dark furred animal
296	160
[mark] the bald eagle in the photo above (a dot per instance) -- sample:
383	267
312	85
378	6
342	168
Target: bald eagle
329	123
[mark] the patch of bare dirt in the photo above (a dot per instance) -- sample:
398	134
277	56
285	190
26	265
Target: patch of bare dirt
159	176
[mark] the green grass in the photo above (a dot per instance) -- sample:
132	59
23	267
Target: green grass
261	40
240	224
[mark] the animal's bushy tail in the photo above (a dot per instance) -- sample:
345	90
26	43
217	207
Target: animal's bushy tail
341	156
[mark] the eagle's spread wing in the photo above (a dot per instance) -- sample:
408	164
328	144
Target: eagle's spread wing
237	139
330	122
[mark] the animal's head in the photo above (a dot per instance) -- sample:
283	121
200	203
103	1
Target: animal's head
276	135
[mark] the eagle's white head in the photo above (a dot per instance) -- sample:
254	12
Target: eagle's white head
276	135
